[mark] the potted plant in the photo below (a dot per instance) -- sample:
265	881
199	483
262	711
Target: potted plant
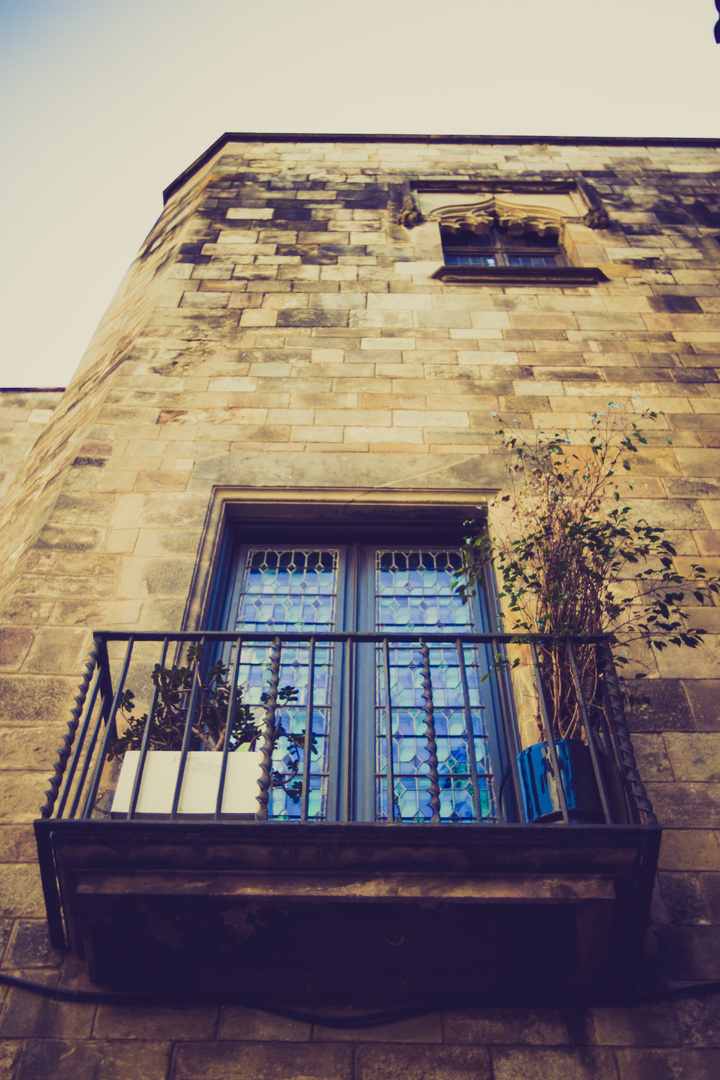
198	697
576	569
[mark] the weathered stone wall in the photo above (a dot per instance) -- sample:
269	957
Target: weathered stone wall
281	333
23	415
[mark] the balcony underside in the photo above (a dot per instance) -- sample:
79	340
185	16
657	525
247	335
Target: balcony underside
443	911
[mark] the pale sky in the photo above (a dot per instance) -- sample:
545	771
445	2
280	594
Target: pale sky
103	104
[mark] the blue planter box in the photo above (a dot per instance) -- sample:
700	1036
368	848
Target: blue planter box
540	788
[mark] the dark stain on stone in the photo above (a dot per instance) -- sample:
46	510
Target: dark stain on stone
88	462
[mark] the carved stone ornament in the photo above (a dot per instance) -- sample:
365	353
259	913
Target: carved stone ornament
410	215
596	218
494	211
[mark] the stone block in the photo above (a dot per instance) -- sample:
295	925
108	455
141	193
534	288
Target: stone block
176	1023
253	213
382	1062
701	462
27	610
704	698
694	756
65	1059
15	644
643	1025
71	538
689	805
699	1020
30	946
685	899
636	1064
688	952
256	1025
29	1015
24	748
651	757
538	1063
311	317
382	320
261	1061
17	844
430	419
10	1054
21	793
21	891
505	1026
689	849
258	317
666	707
61	653
6	926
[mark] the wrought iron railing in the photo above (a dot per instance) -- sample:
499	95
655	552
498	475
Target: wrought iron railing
391	728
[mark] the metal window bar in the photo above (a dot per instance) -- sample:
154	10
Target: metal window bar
590	738
187	734
144	744
470	729
641	811
110	730
229	719
550	738
509	730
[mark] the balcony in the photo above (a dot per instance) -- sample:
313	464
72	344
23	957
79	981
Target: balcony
333	813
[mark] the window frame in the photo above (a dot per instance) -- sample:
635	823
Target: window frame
502	246
554	203
355	794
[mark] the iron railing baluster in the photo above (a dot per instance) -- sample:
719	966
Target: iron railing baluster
90	666
389	770
509	731
229	717
110	728
68	738
640	806
270	733
88	755
195	693
590	738
549	738
137	782
430	736
307	748
469	727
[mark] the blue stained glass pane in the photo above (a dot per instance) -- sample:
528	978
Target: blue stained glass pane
532	260
414	591
291	590
470	260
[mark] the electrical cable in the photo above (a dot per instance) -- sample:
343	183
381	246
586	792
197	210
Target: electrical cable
360	1020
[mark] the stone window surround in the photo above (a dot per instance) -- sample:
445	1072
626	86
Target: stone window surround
563	207
230	506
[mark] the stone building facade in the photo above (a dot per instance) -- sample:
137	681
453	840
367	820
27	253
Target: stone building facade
294	343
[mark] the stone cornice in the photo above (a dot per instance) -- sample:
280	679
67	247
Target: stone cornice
487	140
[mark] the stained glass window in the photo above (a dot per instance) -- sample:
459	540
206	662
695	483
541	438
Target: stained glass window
295	590
419	711
498	247
437	688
